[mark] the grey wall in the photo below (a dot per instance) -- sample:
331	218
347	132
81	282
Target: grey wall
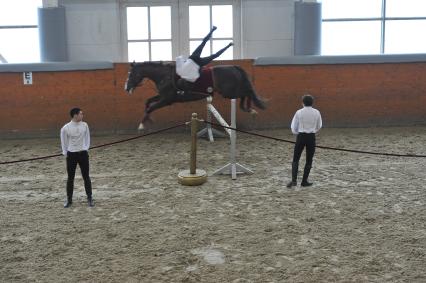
267	28
93	28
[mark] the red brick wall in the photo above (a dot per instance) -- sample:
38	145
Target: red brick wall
347	95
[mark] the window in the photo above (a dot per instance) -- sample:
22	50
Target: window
341	9
165	29
405	26
351	37
373	26
202	19
149	33
405	36
19	42
405	8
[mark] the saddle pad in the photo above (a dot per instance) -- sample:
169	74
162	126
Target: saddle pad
204	83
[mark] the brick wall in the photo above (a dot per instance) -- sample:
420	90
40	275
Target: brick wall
348	95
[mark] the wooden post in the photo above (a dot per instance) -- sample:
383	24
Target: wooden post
193	176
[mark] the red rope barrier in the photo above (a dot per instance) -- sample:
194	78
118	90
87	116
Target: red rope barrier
323	147
97	146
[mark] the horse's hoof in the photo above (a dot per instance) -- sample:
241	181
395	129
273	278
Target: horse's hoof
253	112
141	127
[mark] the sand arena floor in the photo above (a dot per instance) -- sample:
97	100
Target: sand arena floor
364	220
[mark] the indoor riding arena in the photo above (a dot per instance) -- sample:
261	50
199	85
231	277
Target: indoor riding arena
362	220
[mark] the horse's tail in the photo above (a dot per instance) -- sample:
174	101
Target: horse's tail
248	88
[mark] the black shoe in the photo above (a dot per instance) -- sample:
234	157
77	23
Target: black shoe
306	184
90	202
67	204
214	28
291	184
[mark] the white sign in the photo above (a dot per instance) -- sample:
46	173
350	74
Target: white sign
28	78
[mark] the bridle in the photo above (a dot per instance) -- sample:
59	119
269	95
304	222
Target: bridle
136	84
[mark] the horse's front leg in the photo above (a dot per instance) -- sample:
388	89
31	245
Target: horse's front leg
146	116
151	107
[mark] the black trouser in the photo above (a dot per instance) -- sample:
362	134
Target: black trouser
82	159
196	55
303	140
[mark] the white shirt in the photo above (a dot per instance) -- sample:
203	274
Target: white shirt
75	136
187	69
306	120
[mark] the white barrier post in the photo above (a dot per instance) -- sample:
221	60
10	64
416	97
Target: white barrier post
209	132
233	168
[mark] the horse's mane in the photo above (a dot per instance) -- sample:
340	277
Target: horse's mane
156	63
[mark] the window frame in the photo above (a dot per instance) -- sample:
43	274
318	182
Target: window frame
180	23
383	19
236	8
134	3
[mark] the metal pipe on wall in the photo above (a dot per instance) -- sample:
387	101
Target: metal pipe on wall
52	34
307	28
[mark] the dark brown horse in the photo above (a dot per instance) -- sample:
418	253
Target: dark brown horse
230	81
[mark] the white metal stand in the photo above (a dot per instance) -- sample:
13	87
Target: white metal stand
209	132
233	167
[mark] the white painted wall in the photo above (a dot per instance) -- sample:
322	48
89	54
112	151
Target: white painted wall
93	29
267	28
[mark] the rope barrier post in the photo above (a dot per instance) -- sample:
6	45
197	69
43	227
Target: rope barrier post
193	176
233	168
209	132
193	162
233	138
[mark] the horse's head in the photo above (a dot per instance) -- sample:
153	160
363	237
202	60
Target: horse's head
134	78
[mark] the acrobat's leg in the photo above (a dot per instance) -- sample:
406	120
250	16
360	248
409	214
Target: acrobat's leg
195	56
204	61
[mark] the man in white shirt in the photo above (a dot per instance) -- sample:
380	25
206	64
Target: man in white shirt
75	142
189	68
306	122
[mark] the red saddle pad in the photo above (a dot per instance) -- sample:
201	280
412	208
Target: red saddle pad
205	82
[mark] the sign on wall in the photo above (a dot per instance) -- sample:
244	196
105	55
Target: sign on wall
28	78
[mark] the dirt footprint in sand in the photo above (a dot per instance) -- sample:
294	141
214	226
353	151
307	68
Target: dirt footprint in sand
118	216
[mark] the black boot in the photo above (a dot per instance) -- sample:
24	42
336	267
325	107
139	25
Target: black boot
70	191
209	35
306	172
68	203
294	169
211	31
90	202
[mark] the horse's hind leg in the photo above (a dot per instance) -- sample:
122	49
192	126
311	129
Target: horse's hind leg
249	108
242	106
245	105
